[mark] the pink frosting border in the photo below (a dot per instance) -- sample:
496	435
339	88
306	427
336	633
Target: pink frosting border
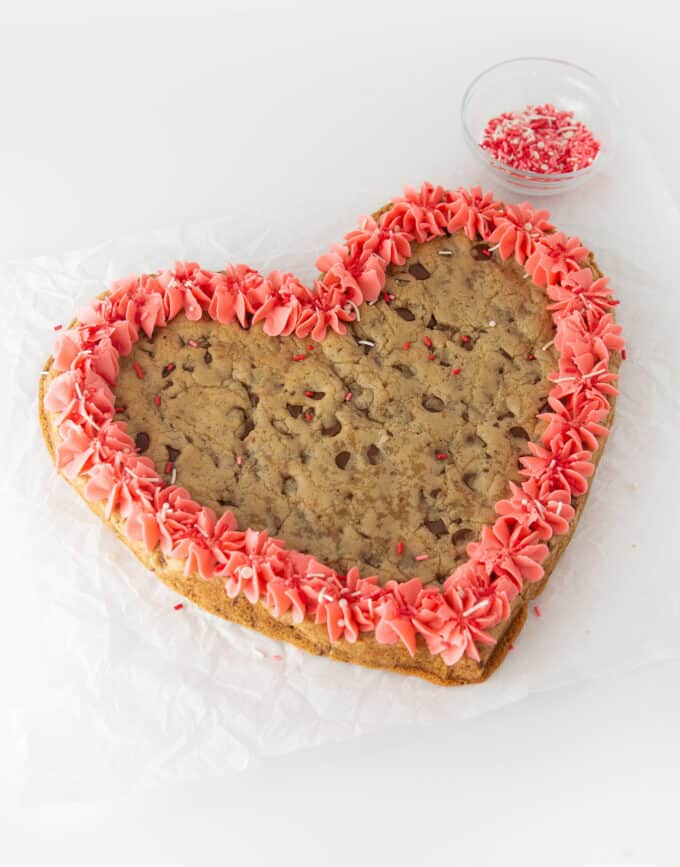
454	620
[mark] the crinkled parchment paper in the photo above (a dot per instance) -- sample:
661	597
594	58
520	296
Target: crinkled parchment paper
104	682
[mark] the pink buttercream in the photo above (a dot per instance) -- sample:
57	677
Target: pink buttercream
452	622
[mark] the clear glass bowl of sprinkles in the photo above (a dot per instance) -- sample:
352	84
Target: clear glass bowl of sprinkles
540	126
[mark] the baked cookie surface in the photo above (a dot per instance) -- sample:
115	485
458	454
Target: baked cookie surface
407	429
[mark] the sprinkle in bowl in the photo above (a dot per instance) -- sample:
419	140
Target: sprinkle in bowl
556	91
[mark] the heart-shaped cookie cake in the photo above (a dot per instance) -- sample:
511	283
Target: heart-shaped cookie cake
410	439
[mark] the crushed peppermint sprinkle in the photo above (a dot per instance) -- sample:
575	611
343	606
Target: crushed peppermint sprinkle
310	347
300	357
537	611
540	139
239	460
192	343
420	557
57	327
492	323
348	396
441	456
169	467
431	356
179	606
456	371
309	416
386	297
138	370
407	345
427	341
464	338
400	548
157	399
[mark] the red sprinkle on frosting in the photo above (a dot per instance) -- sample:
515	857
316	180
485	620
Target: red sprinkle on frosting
537	611
179	606
58	327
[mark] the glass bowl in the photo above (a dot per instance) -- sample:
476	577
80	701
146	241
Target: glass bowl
513	84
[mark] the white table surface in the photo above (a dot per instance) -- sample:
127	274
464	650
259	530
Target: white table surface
140	115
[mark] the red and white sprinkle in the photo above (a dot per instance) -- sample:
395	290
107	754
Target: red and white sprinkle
138	370
537	611
541	139
419	558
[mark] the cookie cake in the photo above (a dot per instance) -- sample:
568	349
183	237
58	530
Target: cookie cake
383	468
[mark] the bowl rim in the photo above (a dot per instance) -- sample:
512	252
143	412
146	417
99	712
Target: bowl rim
527	174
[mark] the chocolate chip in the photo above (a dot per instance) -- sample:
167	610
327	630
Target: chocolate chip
432	403
207	357
404	370
419	271
173	453
437	527
518	432
469	345
142	442
254	399
461	536
289	486
316	395
246	428
505	354
294	409
333	429
432	323
405	313
373	454
188	367
342	459
469	480
480	252
168	384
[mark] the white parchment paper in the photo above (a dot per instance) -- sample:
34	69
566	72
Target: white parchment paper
104	683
